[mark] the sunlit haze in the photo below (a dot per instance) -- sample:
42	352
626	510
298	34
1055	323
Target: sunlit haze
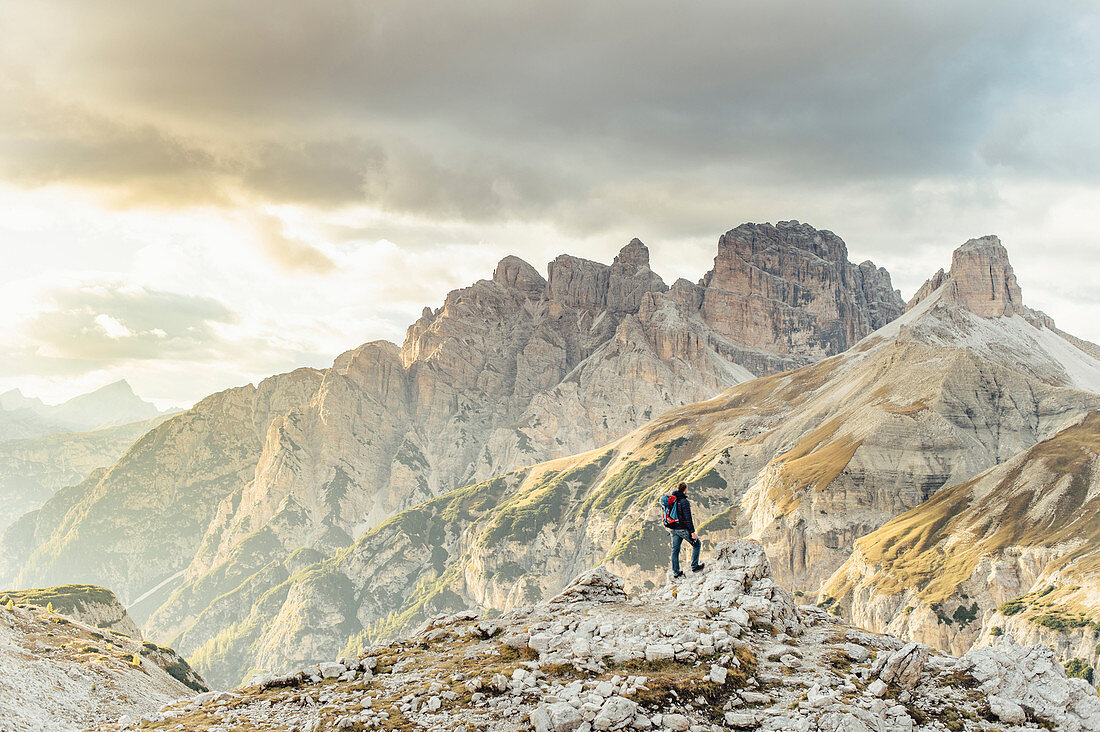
197	195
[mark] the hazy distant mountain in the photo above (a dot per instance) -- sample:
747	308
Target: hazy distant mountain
114	404
33	468
46	447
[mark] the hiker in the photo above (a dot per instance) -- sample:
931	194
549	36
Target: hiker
681	528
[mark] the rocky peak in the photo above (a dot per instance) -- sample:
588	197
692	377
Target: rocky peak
789	288
514	273
930	285
633	256
754	242
983	280
617	288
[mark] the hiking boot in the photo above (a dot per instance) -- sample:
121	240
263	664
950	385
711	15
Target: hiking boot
698	568
677	575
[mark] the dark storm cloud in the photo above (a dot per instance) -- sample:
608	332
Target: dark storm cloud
587	114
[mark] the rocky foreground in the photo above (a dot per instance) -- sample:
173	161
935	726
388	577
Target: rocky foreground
726	649
61	671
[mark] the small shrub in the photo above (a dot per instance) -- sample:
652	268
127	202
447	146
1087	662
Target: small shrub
964	615
1012	607
1078	668
996	631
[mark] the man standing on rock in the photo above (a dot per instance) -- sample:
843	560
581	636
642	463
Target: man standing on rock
682	529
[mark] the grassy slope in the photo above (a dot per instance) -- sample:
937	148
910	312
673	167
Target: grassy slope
998	510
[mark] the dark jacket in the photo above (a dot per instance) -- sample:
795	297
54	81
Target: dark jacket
683	507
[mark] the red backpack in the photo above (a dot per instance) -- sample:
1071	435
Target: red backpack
672	511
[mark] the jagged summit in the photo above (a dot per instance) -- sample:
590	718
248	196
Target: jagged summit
518	274
978	305
790	288
751	239
635	255
617	288
982	281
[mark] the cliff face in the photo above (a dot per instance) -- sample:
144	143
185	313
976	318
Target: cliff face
790	289
806	462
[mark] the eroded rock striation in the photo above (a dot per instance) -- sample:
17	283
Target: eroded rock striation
790	289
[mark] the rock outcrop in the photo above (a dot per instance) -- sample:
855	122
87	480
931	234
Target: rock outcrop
91	605
61	672
790	289
679	658
983	282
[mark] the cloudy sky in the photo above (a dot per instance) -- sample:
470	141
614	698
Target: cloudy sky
194	195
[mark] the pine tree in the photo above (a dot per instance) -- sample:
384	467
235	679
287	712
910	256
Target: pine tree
11	604
49	607
136	660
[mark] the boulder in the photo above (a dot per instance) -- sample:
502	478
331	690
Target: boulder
555	717
595	585
616	713
903	667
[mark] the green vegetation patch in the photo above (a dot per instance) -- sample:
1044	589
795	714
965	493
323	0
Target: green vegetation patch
1079	668
64	598
522	516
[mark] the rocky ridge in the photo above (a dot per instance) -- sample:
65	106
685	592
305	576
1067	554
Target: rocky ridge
806	461
91	605
63	673
727	649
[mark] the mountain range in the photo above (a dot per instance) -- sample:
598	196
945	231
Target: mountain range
523	431
46	447
108	406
